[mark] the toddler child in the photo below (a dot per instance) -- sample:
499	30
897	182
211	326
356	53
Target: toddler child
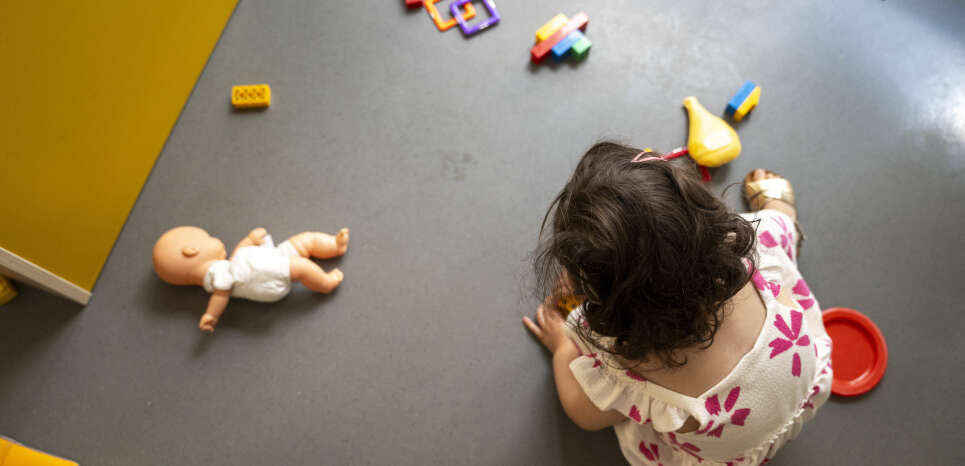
698	340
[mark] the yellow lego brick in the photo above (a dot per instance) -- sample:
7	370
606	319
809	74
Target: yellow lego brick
551	27
253	95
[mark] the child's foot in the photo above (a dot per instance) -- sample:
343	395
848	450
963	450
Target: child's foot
341	241
335	278
765	189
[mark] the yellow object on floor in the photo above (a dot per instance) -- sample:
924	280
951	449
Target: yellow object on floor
91	92
254	95
711	142
15	454
7	291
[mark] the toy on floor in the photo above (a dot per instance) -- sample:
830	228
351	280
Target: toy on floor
430	5
743	101
551	26
859	351
413	3
711	141
256	270
251	96
7	291
561	38
468	29
568	303
12	453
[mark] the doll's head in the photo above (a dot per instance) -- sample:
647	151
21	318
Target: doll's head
181	255
653	250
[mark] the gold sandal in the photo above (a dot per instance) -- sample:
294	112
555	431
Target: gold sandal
758	192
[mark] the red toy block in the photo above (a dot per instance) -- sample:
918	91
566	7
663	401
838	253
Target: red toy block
413	3
542	49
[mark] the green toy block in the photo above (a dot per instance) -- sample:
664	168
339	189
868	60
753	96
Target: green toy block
580	48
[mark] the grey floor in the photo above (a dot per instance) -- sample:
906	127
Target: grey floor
441	154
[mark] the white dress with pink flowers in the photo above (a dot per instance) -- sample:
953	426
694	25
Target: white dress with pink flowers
758	407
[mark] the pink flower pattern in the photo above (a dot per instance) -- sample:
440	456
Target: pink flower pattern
787	239
596	360
762	284
686	447
809	404
635	376
634	414
801	289
652	453
712	405
780	345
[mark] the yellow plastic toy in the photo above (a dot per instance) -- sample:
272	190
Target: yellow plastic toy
7	292
15	454
566	304
254	95
712	142
551	26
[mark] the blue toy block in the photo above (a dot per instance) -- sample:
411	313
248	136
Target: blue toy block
563	47
738	99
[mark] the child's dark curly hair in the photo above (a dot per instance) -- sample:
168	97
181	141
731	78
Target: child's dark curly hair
655	253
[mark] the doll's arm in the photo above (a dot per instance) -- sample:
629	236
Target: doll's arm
255	237
216	306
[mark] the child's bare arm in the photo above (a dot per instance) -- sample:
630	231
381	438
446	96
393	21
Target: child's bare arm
216	306
577	405
254	238
549	329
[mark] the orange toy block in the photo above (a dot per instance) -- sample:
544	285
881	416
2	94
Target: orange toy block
468	13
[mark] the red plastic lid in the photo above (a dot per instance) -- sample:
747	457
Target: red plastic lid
859	355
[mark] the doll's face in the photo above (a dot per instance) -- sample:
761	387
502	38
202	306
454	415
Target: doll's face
182	251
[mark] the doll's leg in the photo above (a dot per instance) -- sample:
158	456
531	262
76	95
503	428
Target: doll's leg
313	277
320	245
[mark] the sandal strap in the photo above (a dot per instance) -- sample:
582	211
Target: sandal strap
758	192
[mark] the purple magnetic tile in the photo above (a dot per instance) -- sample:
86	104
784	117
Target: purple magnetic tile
466	28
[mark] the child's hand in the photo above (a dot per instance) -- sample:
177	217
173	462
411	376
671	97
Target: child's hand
549	330
207	323
257	235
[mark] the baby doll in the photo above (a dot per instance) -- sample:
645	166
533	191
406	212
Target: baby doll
257	270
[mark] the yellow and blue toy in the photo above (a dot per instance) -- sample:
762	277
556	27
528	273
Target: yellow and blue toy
744	101
711	142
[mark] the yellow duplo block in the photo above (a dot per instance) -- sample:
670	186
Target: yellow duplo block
551	27
253	95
